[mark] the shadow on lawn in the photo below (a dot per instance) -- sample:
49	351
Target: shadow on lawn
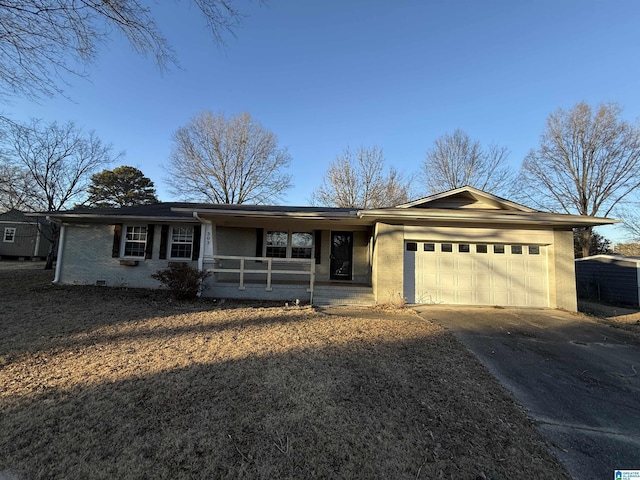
38	316
386	410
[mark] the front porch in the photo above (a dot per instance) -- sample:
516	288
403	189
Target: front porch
283	279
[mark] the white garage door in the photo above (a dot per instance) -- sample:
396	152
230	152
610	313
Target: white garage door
475	274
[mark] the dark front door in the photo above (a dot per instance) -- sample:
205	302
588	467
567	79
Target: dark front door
341	255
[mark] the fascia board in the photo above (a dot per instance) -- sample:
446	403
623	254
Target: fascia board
337	216
535	218
71	218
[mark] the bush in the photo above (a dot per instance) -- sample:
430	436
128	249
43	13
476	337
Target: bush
183	281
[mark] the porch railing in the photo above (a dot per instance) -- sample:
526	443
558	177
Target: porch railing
308	268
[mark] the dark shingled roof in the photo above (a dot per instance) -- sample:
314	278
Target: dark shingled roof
168	209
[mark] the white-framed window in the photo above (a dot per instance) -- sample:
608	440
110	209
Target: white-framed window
9	235
181	242
289	244
134	241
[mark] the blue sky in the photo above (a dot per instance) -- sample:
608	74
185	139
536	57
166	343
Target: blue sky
395	74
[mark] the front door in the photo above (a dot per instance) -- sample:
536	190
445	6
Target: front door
341	255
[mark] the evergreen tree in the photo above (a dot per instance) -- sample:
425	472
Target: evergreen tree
121	187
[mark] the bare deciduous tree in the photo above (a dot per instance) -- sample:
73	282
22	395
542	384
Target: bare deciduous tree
357	180
631	220
16	189
42	41
57	161
629	248
227	160
588	162
456	161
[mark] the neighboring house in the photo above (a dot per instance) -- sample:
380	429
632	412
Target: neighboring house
609	278
23	237
463	246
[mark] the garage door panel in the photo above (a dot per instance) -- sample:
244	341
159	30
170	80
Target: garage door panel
500	297
446	263
465	297
476	277
518	297
517	266
464	280
484	298
465	264
446	280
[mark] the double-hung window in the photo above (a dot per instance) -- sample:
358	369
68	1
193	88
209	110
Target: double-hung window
281	244
135	241
301	244
181	242
9	235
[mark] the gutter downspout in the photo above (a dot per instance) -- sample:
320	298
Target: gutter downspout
203	233
36	250
203	241
59	260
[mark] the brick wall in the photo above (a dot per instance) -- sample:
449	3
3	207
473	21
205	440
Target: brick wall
562	274
86	259
388	262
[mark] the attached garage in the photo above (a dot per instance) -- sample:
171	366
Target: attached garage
467	247
463	273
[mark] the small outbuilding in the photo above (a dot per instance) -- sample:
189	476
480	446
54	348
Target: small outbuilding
609	278
24	237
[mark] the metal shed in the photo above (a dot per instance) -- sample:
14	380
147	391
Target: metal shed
609	278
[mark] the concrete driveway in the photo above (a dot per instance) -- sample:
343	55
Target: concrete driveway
579	379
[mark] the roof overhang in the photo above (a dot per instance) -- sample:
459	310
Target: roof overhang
494	217
328	215
110	219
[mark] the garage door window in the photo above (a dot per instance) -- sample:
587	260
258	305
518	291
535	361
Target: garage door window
412	247
429	247
498	249
534	250
481	249
446	247
464	248
516	249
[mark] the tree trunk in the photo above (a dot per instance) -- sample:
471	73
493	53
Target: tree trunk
585	236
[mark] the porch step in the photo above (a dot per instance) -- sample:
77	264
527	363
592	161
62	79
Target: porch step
347	295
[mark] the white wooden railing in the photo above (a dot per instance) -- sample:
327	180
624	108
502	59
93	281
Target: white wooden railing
219	267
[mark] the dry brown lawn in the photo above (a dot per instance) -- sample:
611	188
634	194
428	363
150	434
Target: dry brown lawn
107	383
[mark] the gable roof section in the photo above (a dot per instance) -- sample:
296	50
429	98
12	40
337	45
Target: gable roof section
469	206
466	197
16	216
13	216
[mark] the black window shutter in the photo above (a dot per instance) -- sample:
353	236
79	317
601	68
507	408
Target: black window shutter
164	234
259	241
117	235
148	250
195	253
318	248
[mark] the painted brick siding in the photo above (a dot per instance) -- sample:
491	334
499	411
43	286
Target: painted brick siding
87	260
562	278
388	263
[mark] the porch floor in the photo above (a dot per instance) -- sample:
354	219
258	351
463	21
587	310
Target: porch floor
335	293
